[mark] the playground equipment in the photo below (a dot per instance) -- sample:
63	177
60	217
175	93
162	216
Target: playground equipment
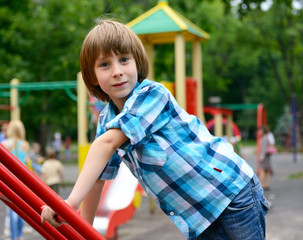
25	193
218	114
162	24
15	87
235	129
261	121
120	199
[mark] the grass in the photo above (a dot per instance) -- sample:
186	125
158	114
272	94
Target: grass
248	143
294	176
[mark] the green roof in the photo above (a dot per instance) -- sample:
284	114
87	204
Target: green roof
161	23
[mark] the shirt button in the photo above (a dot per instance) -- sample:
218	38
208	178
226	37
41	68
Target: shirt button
171	213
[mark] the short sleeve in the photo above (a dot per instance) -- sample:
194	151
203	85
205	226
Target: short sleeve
144	113
111	169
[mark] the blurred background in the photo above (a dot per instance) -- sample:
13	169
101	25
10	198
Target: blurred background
254	55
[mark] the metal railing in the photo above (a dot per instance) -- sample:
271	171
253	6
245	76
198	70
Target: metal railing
25	193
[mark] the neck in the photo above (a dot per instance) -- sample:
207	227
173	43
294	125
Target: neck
119	103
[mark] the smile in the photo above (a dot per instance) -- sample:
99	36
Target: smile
119	84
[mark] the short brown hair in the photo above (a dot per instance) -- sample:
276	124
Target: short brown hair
110	37
51	153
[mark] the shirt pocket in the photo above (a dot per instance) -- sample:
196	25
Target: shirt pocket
151	157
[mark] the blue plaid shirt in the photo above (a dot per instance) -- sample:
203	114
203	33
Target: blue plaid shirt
189	173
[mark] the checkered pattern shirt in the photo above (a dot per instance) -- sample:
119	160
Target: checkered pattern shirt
189	173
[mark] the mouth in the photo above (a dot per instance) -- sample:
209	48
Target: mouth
121	84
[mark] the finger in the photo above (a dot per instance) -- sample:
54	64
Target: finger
55	222
43	216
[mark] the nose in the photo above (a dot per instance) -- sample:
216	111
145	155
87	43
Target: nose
117	72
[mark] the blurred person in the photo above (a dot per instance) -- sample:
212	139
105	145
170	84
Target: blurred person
57	144
35	157
67	143
265	171
3	133
52	171
18	146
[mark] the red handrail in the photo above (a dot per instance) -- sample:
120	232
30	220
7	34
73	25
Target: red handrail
30	199
38	187
24	211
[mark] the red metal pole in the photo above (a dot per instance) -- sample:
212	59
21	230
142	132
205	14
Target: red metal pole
49	197
28	220
261	121
34	201
24	211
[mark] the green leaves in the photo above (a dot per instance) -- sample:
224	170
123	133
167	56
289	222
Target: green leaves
252	56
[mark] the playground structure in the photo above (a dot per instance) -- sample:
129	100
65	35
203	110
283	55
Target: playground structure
219	121
261	121
25	193
120	199
162	25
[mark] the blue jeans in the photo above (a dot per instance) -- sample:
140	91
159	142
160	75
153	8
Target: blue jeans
16	225
244	218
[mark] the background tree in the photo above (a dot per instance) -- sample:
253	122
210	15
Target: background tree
254	54
42	41
279	37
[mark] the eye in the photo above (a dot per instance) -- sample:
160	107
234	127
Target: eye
104	65
124	59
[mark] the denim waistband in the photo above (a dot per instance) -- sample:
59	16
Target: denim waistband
254	181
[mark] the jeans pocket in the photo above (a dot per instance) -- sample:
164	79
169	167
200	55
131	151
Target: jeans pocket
259	193
265	205
243	200
231	208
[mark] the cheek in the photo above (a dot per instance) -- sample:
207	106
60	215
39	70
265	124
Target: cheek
135	72
103	86
99	79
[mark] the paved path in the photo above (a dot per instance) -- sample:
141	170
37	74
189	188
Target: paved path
284	221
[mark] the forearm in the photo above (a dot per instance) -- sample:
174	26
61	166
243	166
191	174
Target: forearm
96	160
91	201
100	152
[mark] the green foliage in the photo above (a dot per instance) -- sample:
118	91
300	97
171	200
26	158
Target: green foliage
41	42
253	55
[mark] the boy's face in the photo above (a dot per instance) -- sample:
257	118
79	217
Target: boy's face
117	76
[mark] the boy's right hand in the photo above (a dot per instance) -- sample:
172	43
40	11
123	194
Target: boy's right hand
49	215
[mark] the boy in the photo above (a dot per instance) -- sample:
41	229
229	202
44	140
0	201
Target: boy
197	179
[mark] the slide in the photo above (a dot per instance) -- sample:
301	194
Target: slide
120	199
